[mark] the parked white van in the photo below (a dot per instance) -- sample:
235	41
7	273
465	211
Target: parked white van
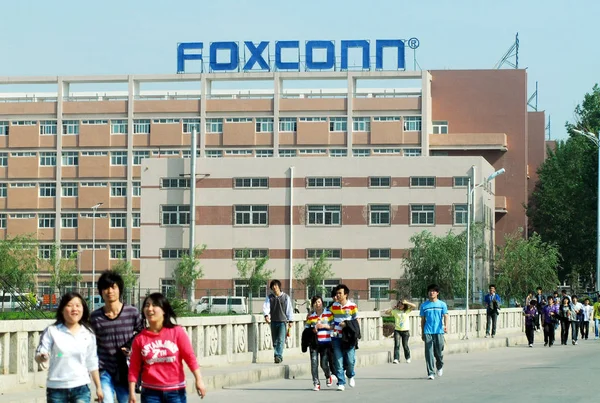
13	302
221	304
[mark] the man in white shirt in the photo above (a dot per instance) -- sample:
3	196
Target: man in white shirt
576	324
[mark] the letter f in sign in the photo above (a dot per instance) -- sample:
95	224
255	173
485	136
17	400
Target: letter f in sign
256	55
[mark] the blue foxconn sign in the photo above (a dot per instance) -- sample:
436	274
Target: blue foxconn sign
289	56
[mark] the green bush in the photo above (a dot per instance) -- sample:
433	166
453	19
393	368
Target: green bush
26	315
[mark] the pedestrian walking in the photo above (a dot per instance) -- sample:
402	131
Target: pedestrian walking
157	354
320	320
434	324
530	313
70	346
588	313
115	325
576	319
344	338
401	313
597	317
492	305
567	314
541	303
278	312
550	319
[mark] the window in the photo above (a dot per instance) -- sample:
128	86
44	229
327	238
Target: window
338	124
241	289
2	220
238	152
45	251
380	254
70	158
135	218
94	122
23	154
460	181
167	287
440	127
250	253
3	128
329	253
22	185
379	289
380	181
379	214
141	126
287	153
422	181
338	153
175	183
251	215
3	189
118	158
175	253
214	125
68	220
309	119
386	118
47	127
48	159
70	127
314	151
324	215
136	188
118	189
22	216
324	182
191	124
175	214
238	120
438	153
214	153
3	159
361	124
386	151
118	251
68	251
361	152
288	124
264	125
263	153
91	215
188	154
135	251
69	189
47	189
460	214
262	183
94	153
118	220
160	153
24	123
118	127
422	214
138	156
46	220
412	152
412	123
165	121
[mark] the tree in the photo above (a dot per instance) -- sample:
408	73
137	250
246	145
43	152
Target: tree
125	269
18	264
525	264
254	272
311	275
187	271
436	259
63	271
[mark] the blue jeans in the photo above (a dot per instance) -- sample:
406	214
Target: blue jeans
278	336
79	394
342	358
160	396
596	328
110	389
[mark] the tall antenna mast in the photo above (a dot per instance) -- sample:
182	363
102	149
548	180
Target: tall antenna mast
513	52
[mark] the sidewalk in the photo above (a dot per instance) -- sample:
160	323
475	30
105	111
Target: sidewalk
293	366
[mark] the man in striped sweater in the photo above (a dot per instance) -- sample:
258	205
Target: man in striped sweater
321	321
343	311
115	325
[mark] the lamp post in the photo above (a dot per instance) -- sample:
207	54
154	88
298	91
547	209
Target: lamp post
594	139
470	201
94	209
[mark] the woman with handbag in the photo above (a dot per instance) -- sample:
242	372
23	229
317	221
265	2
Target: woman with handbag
567	315
158	351
550	319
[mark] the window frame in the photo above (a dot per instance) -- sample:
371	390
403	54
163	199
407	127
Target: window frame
376	210
423	182
323	210
181	213
386	296
255	214
371	254
427	211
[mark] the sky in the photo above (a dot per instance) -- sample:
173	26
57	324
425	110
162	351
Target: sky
74	37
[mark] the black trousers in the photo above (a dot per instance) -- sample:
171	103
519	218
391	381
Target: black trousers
548	333
565	325
492	318
585	329
530	332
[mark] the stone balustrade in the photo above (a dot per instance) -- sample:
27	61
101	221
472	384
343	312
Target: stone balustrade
223	340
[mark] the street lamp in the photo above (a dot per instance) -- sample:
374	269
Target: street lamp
470	192
594	139
94	209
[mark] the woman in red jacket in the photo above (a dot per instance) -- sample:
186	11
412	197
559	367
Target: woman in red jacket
158	351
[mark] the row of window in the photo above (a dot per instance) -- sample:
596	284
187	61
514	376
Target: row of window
332	152
118	251
318	215
71	189
71	220
238	254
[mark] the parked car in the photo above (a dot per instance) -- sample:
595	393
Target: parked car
221	304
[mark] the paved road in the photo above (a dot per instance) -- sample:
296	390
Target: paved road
515	374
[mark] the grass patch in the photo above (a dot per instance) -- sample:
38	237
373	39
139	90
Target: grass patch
27	316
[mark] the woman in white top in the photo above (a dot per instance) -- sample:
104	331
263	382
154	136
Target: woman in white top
70	346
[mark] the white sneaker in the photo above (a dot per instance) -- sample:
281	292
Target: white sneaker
317	388
395	362
531	345
440	372
431	377
341	388
351	382
408	361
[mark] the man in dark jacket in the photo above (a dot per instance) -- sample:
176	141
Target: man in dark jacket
279	313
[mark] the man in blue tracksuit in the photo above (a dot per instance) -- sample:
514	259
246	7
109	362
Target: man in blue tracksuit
492	305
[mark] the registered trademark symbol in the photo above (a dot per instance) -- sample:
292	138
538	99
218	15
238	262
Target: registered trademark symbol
413	43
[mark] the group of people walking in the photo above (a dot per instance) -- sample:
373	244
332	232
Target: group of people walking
123	351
